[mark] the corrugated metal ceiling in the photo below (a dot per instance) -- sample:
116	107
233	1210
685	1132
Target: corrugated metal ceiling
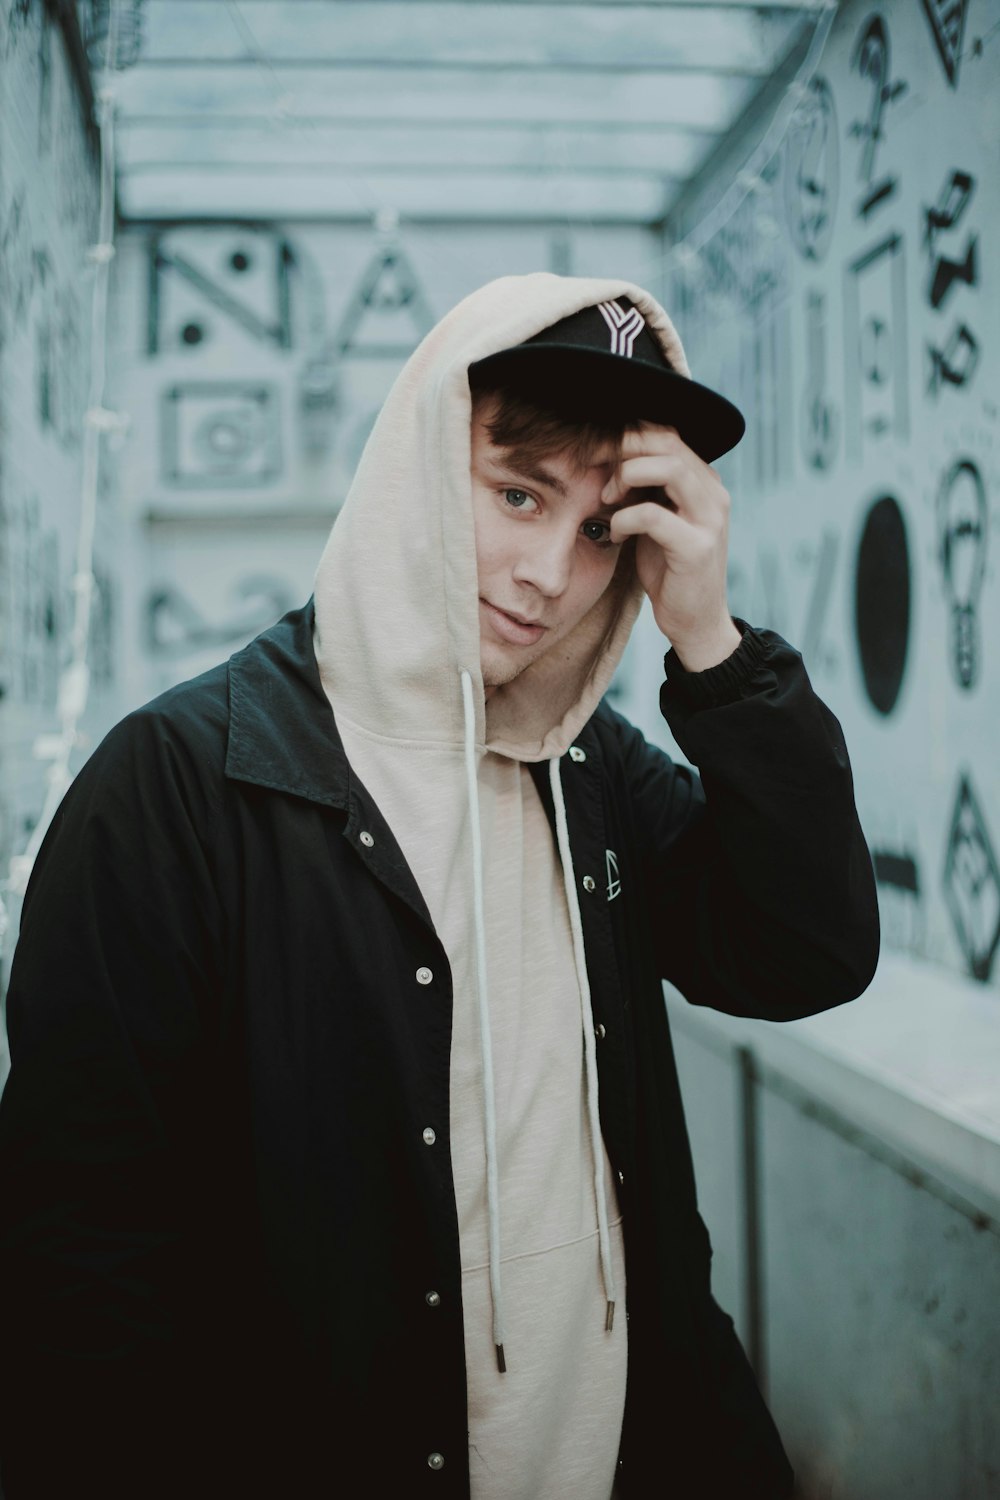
438	109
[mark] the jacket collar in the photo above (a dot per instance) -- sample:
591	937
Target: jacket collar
282	732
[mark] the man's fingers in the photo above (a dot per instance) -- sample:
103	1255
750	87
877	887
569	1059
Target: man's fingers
663	526
672	475
642	472
649	437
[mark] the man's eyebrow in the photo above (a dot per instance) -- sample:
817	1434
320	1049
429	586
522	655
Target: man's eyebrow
527	470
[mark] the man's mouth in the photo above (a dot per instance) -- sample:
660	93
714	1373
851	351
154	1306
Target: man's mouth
516	630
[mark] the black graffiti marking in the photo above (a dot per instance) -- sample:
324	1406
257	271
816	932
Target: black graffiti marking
882	602
885	189
45	87
871	59
876	351
972	883
16	18
388	288
31	618
947	272
812	172
899	897
819	599
176	627
876	373
60	370
946	215
164	262
24	267
964	527
820	421
945	368
101	649
947	22
219	434
766	381
896	869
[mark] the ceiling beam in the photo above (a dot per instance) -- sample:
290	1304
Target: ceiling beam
224	123
599	5
469	197
468	65
390	168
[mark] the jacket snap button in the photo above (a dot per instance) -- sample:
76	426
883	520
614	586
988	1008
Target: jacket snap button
367	840
588	882
435	1461
600	1032
424	976
429	1137
575	753
433	1299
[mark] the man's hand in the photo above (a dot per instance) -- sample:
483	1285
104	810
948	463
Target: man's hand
682	543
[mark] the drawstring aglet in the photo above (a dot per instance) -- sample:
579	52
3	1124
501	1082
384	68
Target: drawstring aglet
611	1318
501	1362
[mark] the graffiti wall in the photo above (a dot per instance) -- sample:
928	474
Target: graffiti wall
256	357
48	220
851	308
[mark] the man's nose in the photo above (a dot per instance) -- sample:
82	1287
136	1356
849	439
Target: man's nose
546	562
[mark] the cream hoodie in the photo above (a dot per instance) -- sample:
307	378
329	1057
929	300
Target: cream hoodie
397	641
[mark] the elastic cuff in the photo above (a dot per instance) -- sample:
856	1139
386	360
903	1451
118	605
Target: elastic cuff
722	683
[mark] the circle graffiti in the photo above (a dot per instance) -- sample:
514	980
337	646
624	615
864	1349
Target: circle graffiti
882	602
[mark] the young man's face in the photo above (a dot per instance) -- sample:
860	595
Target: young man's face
543	551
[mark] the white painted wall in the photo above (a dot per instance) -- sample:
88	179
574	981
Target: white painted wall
48	219
254	370
851	308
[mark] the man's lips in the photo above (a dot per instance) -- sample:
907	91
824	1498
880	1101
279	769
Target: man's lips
517	630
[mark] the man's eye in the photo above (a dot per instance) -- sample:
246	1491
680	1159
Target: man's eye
517	499
596	531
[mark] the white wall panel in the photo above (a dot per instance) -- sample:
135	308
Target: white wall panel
48	219
254	368
851	308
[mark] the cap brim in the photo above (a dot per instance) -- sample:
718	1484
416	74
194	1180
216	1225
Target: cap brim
592	384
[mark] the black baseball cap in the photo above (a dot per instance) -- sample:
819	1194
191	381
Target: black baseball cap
604	364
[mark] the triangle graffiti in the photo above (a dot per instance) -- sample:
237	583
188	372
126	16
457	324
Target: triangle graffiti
390	297
947	19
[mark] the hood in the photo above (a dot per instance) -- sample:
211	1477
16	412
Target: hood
397	615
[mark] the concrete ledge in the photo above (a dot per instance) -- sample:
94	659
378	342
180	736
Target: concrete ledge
915	1061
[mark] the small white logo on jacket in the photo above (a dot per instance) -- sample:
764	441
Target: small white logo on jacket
611	865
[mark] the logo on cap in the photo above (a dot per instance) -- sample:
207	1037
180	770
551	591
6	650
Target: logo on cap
625	326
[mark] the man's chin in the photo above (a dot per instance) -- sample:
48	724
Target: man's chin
499	669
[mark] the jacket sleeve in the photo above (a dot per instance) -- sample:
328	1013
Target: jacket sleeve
111	989
761	887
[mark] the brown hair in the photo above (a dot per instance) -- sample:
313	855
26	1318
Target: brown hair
536	429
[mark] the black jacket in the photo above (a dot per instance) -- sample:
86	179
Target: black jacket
220	1217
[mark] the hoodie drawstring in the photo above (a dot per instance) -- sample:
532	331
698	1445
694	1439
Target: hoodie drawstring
589	1043
486	1040
485	1037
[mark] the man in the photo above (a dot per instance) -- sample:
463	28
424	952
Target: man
343	1150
